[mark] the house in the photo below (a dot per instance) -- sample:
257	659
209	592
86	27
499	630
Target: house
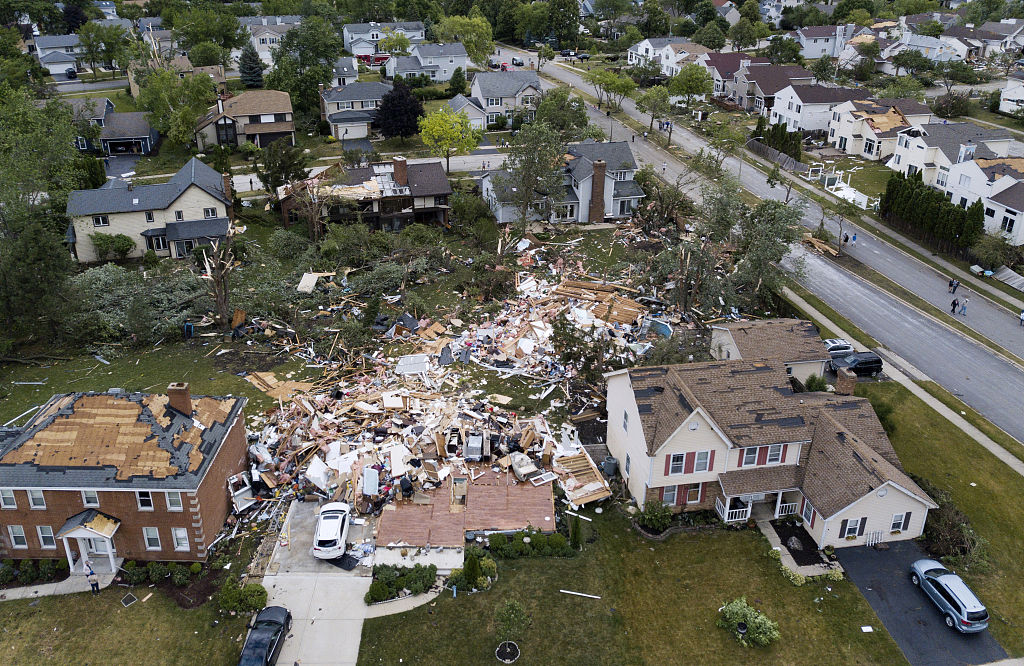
193	208
598	180
728	10
1011	30
120	133
754	87
795	342
934	49
345	71
932	148
651	49
1003	212
384	195
978	43
985	178
914	22
266	32
108	8
731	435
259	116
1011	98
438	61
808	108
473	108
161	42
723	66
179	64
107	477
361	38
670	53
129	28
868	128
827	41
352	109
58	53
503	94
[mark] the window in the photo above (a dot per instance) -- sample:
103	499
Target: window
625	207
693	493
17	534
156	243
100	221
36	499
493	101
90	498
46	539
675	465
798	108
897	522
82	143
808	512
280	117
701	462
869	146
180	536
263	40
965	180
179	215
254	119
942	177
790	105
831	133
1007	224
774	454
173	501
627	464
835	115
851	528
209	213
989	212
184	247
963	202
750	455
149	217
897	159
625	421
527	100
144	498
152	536
7	499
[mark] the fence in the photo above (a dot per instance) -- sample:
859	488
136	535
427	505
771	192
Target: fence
783	160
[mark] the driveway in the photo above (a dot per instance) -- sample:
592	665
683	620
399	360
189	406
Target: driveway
116	165
910	617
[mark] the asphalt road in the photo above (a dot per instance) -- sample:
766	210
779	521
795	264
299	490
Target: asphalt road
909	616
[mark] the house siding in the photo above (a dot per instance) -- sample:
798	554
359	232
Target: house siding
879	512
633	444
684	441
804	369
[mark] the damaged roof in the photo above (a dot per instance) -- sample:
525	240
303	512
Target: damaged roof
118	440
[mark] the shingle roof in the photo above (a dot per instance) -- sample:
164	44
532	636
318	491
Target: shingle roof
250	103
905	105
788	340
818	31
1011	197
352	116
436	50
616	155
1001	28
427	179
356	28
216	227
58	56
818	94
773	78
357	91
285	19
107	23
728	63
127	125
115	197
761	479
948	137
994	169
505	84
411	64
344	66
459	102
56	41
88	107
626	188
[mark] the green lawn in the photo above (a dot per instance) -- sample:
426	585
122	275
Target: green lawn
984	488
980	111
659	606
122	101
870	176
168	159
399	145
60	630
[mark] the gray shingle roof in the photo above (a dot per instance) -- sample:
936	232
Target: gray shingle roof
352	116
89	107
1011	197
216	227
287	19
127	125
358	91
427	179
358	28
58	56
948	138
124	23
436	50
818	94
627	188
56	41
411	64
505	84
616	155
460	102
115	197
344	66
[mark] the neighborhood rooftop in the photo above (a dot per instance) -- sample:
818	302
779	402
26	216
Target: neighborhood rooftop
505	84
948	137
786	339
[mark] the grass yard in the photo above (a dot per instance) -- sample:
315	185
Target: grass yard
935	449
870	177
60	630
399	145
122	101
659	602
168	159
979	111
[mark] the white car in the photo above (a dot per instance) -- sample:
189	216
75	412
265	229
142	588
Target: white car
331	531
838	347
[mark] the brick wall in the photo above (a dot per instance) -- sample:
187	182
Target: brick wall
711	490
211	500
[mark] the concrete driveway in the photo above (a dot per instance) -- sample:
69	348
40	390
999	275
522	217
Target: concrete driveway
907	613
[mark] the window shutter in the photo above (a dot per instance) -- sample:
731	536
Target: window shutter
661	494
762	455
739	463
688	465
813	514
711	460
680	495
863	524
906	521
842	528
785	447
703	491
803	500
668	462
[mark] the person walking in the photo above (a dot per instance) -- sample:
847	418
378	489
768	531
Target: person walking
94	582
846	238
956	285
950	289
1022	317
854	239
664	167
953	306
634	138
963	306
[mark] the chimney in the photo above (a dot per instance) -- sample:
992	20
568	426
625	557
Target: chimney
220	104
401	171
179	398
846	382
597	192
227	185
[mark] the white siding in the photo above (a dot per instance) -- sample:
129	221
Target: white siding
879	512
622	442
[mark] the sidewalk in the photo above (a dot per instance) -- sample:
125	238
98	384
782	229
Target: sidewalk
787	560
70	585
900	377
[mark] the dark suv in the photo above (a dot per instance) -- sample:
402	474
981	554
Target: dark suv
863	364
266	636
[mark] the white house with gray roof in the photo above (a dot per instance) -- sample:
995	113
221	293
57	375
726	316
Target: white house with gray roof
806	108
599	186
362	38
345	71
352	109
438	61
504	93
931	149
193	208
472	108
57	53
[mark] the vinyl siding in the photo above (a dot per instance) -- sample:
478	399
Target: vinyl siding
683	441
621	443
879	512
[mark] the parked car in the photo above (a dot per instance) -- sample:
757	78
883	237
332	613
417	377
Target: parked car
838	347
960	608
583	56
266	636
71	73
517	61
331	531
863	364
565	53
493	64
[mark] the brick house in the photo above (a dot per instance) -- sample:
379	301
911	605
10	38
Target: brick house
118	476
731	435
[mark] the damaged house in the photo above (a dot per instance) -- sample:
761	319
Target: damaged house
116	476
733	437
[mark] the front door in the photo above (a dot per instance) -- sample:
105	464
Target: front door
842	143
98	546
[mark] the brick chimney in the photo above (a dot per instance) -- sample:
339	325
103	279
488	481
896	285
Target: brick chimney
179	398
401	171
227	185
846	382
597	192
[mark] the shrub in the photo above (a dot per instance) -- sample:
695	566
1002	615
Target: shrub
884	412
47	569
774	554
511	620
181	576
792	576
496	541
539	545
430	93
62	565
150	260
253	597
456	580
195	568
815	383
117	246
949	535
560	546
284	245
471	570
834	575
378	592
760	630
656	516
574	533
482	583
6	574
26	572
156	571
489	567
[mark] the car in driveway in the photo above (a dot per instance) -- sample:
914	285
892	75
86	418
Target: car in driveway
961	610
863	364
266	636
331	531
517	61
838	347
71	73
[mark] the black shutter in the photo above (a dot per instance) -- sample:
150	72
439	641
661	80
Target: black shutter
863	524
906	521
842	528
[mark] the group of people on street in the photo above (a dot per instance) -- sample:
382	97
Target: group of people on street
953	285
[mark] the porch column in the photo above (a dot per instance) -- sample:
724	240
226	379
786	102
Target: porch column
83	552
67	549
778	503
110	555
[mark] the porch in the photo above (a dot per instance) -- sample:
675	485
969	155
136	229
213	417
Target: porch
738	508
89	542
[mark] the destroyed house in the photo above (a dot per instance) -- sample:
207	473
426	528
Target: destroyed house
733	437
869	128
384	195
115	476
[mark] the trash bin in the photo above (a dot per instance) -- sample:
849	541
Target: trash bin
610	466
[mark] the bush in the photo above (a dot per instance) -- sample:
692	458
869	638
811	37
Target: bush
195	568
26	572
181	576
952	105
117	246
815	383
150	260
774	554
284	245
471	569
993	251
62	565
993	99
574	533
560	546
489	567
156	571
6	574
136	575
378	592
655	516
234	597
834	575
948	534
47	569
792	576
253	598
760	630
430	93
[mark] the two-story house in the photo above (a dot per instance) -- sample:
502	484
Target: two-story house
976	42
984	178
384	195
259	116
352	109
670	53
809	108
193	208
1011	98
826	41
345	71
754	87
795	342
100	478
494	94
1011	30
58	53
931	149
914	22
731	435
723	66
361	38
266	32
868	128
128	132
438	61
598	181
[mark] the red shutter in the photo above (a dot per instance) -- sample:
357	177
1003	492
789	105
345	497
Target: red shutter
680	495
784	448
802	501
668	462
762	455
906	521
703	491
813	514
711	460
661	494
688	465
739	461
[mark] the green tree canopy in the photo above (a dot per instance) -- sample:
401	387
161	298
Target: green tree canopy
446	133
474	32
710	36
399	112
199	24
564	16
174	104
743	34
250	67
565	114
783	50
534	181
691	81
395	43
280	163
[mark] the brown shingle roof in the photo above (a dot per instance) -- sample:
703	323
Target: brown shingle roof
773	78
818	94
789	340
250	103
761	480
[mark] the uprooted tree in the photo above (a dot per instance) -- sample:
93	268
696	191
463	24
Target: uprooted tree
218	263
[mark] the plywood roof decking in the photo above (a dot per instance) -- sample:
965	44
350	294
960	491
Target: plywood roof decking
611	307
